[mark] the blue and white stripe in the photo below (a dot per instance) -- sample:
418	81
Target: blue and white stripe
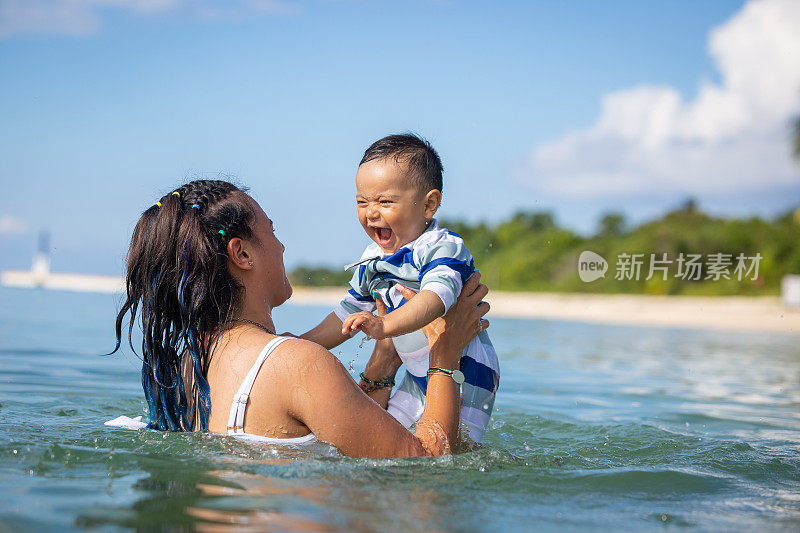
439	261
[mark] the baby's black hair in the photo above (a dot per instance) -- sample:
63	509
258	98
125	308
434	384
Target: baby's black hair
424	165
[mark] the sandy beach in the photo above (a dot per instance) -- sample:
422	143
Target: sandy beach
764	314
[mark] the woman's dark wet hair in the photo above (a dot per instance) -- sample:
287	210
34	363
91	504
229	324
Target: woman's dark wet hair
178	279
424	165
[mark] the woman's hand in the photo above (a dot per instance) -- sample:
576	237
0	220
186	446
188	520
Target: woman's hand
452	332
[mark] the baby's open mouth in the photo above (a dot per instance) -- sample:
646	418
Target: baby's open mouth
384	235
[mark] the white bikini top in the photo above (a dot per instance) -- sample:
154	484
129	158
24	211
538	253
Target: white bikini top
236	418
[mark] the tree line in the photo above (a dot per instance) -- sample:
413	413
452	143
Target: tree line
529	251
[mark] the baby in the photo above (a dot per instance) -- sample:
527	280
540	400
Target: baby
398	191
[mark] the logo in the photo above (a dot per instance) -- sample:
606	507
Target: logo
591	266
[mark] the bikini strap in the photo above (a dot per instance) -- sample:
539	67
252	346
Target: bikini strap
236	417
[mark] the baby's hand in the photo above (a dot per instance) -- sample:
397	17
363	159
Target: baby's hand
365	321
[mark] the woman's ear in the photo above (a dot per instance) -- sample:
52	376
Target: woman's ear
432	202
238	254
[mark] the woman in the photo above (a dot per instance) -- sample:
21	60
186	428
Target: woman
205	270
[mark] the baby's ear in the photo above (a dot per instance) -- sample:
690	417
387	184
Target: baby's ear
432	202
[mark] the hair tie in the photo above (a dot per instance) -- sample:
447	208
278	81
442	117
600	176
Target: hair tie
195	206
177	193
221	232
158	204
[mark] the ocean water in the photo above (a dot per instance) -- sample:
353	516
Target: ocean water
595	427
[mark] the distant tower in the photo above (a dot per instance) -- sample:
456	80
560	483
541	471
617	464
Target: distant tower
41	260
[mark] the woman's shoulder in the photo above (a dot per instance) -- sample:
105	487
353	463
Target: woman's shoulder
290	347
292	360
299	350
302	361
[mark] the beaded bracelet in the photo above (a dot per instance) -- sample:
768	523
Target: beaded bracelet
369	385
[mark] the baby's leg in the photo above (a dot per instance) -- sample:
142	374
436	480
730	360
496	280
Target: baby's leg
408	401
481	378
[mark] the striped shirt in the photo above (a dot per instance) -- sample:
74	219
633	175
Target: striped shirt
438	261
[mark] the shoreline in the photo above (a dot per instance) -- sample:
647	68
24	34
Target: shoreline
754	314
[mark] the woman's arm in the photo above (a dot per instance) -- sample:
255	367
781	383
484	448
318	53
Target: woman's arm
319	392
383	363
328	333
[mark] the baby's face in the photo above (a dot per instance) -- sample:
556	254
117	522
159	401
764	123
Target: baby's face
390	208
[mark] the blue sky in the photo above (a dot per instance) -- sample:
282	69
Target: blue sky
106	106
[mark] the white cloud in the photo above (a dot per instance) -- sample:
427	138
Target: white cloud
10	225
81	17
733	136
21	17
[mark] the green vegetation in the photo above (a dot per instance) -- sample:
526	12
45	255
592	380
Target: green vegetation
530	252
319	276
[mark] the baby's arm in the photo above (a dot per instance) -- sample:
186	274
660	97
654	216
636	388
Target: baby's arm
328	333
413	315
